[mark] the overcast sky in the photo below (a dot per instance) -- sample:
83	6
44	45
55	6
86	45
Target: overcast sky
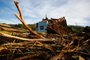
76	12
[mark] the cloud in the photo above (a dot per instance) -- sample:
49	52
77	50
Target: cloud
75	11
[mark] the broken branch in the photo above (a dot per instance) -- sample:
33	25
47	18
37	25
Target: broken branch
22	20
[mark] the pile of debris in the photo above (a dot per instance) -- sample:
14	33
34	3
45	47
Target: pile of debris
57	26
72	48
68	47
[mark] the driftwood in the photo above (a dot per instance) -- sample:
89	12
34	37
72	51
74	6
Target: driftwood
22	20
11	29
5	25
66	48
22	39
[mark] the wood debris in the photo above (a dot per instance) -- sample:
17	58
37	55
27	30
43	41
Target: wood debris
58	47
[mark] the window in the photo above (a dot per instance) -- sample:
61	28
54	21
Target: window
41	27
37	25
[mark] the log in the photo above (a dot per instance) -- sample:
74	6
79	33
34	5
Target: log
22	39
23	22
12	30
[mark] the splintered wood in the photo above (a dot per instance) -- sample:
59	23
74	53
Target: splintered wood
57	26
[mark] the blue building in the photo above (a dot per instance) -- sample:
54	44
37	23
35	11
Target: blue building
42	25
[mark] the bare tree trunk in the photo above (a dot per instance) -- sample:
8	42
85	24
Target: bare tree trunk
22	20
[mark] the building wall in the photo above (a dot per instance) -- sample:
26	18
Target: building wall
41	27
